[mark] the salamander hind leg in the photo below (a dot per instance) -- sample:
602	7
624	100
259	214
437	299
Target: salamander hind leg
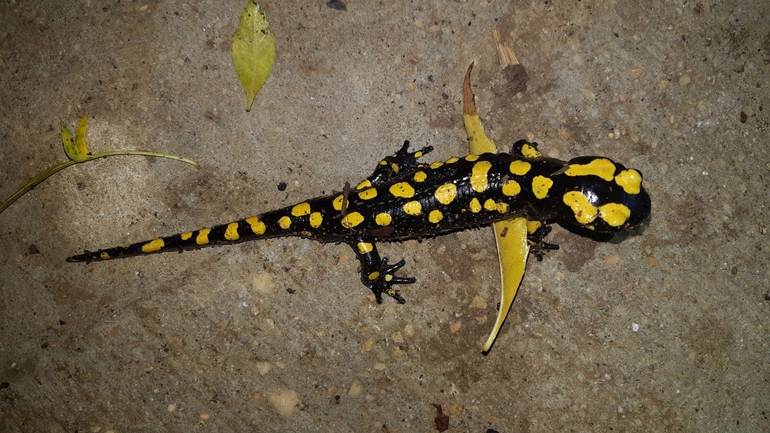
376	273
399	163
537	232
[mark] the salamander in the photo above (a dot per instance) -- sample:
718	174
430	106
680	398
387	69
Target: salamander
407	199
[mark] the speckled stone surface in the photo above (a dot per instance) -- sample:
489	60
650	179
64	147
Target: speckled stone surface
667	331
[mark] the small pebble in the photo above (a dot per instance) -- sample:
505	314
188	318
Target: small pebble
409	330
355	389
479	303
285	402
263	367
367	346
455	326
263	282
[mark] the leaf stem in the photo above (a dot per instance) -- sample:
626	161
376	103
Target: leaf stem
43	175
142	152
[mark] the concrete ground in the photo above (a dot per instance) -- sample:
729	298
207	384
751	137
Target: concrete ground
666	331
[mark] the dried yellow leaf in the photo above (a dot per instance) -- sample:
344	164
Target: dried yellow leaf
253	51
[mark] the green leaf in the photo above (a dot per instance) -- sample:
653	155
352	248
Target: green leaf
253	51
511	235
76	149
512	253
68	142
80	136
77	152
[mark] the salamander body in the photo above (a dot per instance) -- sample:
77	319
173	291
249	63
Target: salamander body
406	199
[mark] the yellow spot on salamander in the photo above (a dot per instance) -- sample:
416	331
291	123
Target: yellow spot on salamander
492	206
337	203
511	188
383	162
153	245
413	208
630	180
365	247
479	180
394	166
316	219
231	232
519	168
418	154
435	216
530	151
471	158
383	219
352	219
284	222
614	214
452	160
420	176
475	206
203	236
186	235
373	276
388	277
257	226
602	167
104	256
306	234
402	189
301	209
364	184
584	211
540	186
532	226
436	164
446	193
368	194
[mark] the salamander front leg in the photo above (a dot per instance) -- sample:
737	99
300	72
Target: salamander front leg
401	162
376	273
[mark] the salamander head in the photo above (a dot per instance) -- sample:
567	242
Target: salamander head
599	194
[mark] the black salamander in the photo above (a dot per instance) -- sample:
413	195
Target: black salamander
405	199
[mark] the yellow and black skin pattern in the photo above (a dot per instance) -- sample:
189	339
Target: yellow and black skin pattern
405	199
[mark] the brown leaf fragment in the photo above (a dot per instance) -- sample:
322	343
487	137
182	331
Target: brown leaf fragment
514	75
441	420
505	54
469	106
